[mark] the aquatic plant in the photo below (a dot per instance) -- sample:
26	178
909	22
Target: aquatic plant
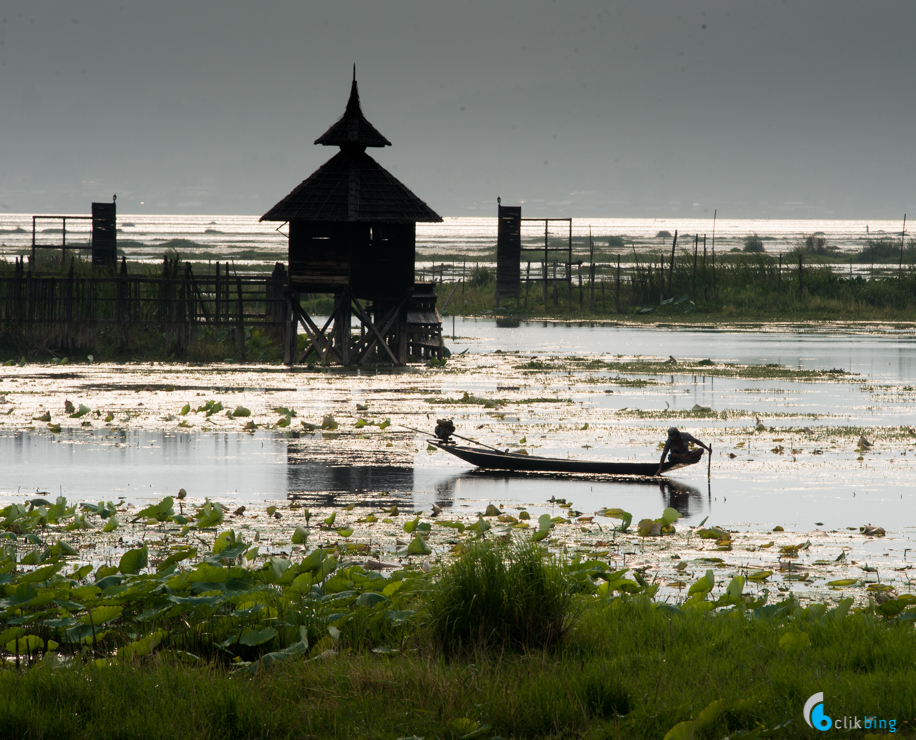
498	596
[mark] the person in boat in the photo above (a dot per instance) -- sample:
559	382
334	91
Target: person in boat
678	445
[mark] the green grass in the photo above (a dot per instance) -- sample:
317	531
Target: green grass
628	669
498	597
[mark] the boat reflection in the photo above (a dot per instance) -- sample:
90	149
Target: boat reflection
583	490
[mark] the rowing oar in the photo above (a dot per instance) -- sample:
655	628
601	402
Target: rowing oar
466	439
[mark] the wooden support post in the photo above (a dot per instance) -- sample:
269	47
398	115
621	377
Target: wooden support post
779	276
580	286
379	336
800	277
402	337
544	279
705	285
240	323
122	313
181	305
696	249
556	293
68	299
217	313
715	285
618	285
290	344
671	269
190	309
527	283
342	326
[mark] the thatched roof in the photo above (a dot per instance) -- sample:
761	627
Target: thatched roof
352	129
351	186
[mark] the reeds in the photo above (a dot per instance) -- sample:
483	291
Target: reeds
499	597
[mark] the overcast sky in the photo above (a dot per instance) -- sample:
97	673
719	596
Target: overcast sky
771	109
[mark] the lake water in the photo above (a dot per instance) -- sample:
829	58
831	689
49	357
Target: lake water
755	489
246	240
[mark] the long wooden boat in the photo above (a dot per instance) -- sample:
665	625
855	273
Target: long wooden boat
496	460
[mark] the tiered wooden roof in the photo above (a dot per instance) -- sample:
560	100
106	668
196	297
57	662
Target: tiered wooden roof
352	186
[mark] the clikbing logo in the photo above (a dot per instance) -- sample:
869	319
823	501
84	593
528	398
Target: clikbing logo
816	718
814	713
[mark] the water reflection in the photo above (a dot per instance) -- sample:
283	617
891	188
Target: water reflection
140	465
321	484
586	493
831	491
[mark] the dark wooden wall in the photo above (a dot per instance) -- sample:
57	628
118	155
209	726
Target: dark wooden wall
320	254
104	235
372	260
384	267
508	252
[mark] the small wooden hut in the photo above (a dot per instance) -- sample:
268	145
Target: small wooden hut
352	233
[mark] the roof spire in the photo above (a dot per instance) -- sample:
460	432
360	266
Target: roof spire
352	129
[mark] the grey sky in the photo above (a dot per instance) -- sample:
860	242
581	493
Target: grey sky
760	109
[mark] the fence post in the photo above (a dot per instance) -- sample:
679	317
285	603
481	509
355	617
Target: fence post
580	286
217	305
799	277
617	300
240	326
715	285
671	270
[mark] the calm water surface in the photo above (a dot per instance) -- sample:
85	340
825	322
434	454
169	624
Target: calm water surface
835	491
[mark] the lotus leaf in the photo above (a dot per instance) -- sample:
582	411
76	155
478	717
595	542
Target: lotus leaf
25	644
842	582
703	585
101	615
143	646
224	540
210	515
177	557
253	638
133	561
418	546
160	512
669	516
624	516
41	574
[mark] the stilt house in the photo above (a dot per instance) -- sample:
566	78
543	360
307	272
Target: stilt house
352	232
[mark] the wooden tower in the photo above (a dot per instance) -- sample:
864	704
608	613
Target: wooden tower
352	233
508	252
